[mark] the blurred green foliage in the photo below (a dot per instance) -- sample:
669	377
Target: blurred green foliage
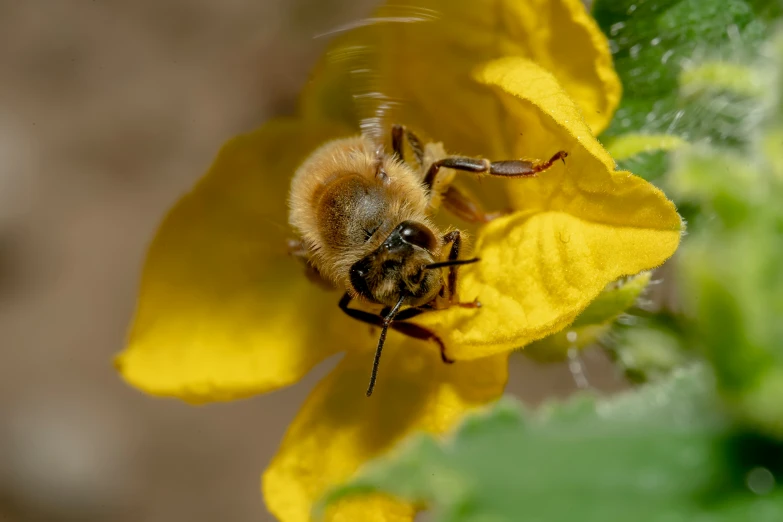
652	40
655	42
704	442
732	269
660	454
649	350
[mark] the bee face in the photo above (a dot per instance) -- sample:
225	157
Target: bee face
398	267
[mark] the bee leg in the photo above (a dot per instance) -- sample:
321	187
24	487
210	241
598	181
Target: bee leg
359	315
398	133
385	321
455	238
507	169
465	207
416	147
409	329
376	320
419	332
409	313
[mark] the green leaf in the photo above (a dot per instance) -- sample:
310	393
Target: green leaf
652	39
593	323
659	454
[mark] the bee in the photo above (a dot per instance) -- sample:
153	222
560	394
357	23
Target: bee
364	219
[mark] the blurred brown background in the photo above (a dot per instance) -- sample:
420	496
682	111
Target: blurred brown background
109	109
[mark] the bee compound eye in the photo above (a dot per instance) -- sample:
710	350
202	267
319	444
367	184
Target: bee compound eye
418	235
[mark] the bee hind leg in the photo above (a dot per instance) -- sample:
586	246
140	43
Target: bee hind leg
466	208
506	169
419	332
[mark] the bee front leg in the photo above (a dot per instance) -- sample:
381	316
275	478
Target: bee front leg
359	315
455	238
373	319
392	320
410	329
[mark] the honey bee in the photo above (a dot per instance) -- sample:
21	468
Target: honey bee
364	217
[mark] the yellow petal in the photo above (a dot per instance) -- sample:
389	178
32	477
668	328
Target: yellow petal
418	55
580	225
338	428
223	311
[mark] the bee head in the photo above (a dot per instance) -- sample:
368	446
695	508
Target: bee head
399	267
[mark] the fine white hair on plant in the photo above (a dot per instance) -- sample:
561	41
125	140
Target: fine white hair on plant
392	15
373	106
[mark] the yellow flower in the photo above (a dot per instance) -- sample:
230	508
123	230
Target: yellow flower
224	313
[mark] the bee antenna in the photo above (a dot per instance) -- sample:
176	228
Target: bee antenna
386	322
453	262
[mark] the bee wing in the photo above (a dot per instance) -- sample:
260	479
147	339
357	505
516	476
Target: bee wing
356	59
